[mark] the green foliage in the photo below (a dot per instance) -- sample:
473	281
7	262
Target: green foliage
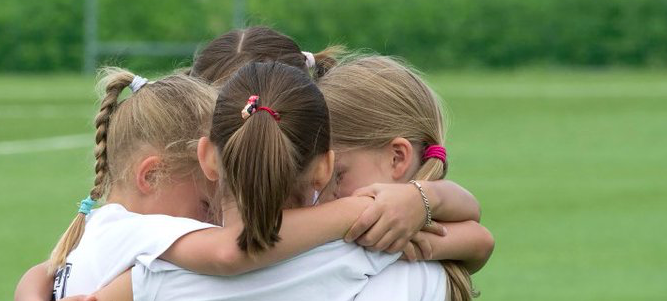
48	35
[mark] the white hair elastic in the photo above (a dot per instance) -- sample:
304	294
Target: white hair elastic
137	83
310	59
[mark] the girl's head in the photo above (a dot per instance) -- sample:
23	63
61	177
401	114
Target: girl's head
229	52
146	144
274	155
384	118
387	126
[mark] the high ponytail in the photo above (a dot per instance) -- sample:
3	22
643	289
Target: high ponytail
260	171
327	59
265	152
115	81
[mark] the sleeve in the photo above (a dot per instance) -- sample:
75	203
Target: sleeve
145	285
144	238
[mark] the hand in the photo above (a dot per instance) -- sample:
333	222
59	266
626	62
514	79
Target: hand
392	220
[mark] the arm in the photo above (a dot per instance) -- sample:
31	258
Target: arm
467	242
214	251
451	202
379	227
35	285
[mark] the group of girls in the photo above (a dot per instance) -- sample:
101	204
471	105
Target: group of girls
267	173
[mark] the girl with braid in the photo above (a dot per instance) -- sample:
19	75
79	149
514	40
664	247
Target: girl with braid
156	198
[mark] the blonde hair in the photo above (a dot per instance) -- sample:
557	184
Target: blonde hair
166	116
264	159
374	99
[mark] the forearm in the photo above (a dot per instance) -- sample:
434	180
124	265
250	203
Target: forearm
450	202
120	289
215	251
35	285
467	242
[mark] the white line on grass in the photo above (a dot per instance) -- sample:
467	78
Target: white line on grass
45	144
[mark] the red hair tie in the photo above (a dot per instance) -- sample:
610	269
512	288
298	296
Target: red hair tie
251	107
435	151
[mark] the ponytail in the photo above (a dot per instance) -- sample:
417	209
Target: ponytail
327	59
116	81
260	171
270	122
459	284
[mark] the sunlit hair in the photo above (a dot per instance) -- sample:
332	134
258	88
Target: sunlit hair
263	159
165	117
226	54
375	99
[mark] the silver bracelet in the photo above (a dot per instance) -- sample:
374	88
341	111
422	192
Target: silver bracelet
429	221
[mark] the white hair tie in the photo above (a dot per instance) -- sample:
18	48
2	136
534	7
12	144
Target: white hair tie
310	59
137	83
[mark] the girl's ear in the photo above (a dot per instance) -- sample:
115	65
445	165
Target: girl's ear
323	170
207	154
146	174
401	151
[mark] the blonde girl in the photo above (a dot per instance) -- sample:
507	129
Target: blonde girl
148	176
388	127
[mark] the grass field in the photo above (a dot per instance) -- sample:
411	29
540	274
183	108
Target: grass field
570	168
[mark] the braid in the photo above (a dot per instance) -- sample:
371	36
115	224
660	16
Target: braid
116	82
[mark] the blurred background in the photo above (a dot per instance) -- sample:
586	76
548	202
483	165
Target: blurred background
558	119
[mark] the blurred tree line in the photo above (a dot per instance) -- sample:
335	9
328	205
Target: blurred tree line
48	35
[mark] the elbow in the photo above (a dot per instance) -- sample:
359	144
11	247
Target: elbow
227	263
476	212
486	245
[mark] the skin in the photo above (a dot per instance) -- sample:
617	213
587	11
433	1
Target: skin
397	162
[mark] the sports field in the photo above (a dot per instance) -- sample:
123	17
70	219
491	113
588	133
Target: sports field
570	168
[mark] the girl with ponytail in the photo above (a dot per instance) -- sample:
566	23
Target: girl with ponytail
154	194
388	127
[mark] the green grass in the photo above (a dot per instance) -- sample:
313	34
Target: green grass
569	167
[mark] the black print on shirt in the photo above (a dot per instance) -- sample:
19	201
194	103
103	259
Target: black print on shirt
60	282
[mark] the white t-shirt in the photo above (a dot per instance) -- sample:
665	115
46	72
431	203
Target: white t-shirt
114	240
406	281
334	271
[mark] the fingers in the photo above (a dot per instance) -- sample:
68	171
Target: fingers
409	252
367	219
436	229
370	191
424	245
398	245
377	232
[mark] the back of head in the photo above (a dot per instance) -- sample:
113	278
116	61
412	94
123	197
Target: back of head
265	154
226	54
373	100
165	117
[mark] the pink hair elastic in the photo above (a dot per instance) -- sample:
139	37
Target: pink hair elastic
251	107
435	151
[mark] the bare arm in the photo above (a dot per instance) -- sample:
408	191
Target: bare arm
35	285
214	251
451	202
467	242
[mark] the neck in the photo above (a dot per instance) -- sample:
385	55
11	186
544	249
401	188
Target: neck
131	200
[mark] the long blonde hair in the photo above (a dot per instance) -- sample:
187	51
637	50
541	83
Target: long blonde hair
167	116
374	99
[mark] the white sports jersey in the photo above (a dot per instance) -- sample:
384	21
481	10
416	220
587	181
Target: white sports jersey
334	271
113	241
406	281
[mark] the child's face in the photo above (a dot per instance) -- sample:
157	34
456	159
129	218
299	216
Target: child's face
359	168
